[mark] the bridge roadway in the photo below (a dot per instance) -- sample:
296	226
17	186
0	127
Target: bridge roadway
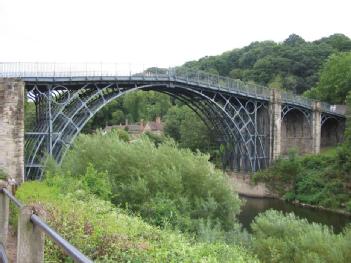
256	124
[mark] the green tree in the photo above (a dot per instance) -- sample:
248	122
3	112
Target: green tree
339	42
335	80
294	40
183	125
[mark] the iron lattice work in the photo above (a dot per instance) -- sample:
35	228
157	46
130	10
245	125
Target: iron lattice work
63	108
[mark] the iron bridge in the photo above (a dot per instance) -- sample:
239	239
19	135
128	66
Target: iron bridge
67	96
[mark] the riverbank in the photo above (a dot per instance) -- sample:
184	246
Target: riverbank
243	185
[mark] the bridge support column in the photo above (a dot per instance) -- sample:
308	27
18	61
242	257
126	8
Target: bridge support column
316	127
12	128
275	112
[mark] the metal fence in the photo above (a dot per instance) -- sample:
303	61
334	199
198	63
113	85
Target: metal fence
134	71
30	233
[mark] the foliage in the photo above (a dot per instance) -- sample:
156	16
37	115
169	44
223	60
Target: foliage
121	134
29	111
323	179
335	80
2	175
287	238
155	138
282	176
165	185
314	179
292	65
133	106
107	234
182	124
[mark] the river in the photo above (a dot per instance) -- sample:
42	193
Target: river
253	206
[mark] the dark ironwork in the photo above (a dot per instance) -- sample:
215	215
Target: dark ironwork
64	109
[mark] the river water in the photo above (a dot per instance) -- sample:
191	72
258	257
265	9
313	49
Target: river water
253	206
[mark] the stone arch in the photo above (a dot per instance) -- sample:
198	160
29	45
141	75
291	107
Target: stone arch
331	132
296	131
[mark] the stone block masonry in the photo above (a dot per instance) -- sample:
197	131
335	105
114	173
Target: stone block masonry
12	128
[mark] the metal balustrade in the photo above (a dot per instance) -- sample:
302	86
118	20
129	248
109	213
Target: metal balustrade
30	233
135	72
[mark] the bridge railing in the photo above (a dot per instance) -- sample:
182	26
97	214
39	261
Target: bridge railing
56	70
30	233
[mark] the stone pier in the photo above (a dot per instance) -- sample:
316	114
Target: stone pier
275	109
12	128
316	127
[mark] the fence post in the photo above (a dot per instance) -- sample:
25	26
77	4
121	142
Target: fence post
4	214
30	239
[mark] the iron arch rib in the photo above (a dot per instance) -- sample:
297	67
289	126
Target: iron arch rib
72	105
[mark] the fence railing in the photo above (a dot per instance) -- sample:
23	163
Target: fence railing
124	70
30	233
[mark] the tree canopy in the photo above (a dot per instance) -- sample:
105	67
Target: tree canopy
293	64
335	80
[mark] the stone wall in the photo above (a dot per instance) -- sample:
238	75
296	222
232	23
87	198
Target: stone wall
12	128
296	133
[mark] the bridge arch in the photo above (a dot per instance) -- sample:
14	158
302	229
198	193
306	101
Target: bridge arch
64	109
331	131
296	129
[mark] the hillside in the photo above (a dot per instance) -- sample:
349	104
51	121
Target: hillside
292	64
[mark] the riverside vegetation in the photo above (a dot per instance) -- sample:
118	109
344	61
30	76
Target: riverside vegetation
323	179
154	200
132	201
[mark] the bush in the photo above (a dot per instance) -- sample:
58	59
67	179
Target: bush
314	179
282	176
287	238
107	234
2	175
164	184
122	134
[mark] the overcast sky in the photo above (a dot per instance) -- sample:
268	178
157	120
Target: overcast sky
157	32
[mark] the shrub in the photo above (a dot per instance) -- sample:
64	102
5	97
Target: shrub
313	179
164	184
122	134
155	138
2	175
287	238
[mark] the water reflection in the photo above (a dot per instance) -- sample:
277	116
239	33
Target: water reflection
253	206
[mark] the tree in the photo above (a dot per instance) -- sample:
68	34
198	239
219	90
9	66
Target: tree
338	41
294	40
335	80
183	125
